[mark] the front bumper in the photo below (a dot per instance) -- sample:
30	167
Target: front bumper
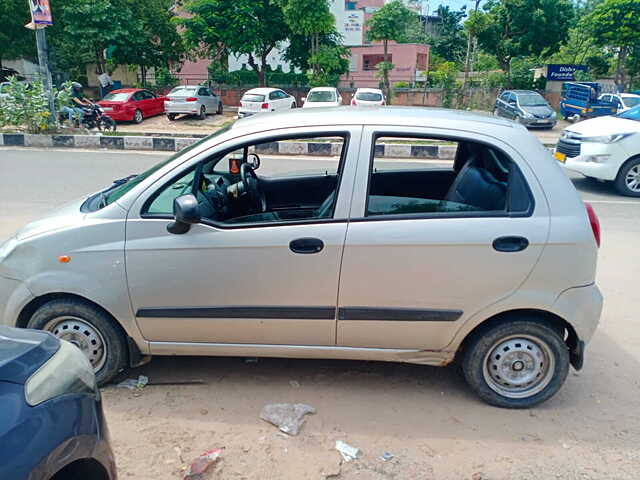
539	122
607	170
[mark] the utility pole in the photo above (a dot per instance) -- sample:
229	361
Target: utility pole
470	45
45	72
40	19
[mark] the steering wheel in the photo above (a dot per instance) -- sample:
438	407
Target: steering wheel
252	188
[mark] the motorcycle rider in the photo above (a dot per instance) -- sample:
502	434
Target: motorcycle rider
80	102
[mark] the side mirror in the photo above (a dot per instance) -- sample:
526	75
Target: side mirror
186	212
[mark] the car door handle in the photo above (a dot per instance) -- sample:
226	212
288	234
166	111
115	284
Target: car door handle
306	245
510	244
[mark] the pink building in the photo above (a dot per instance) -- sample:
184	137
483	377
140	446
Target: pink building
410	60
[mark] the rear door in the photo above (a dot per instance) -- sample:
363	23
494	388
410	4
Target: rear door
416	265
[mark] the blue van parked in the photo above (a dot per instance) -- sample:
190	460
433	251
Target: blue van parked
51	421
581	100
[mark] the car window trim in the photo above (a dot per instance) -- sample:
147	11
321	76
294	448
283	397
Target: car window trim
413	216
346	137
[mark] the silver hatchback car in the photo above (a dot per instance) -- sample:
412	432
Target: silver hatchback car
192	100
400	234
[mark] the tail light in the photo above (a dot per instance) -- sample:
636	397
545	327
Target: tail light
353	102
265	105
191	99
595	223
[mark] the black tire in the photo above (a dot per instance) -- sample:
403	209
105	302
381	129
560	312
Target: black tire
220	110
522	327
496	112
203	113
138	117
293	105
171	116
621	179
115	348
107	124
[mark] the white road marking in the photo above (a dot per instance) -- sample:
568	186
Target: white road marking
615	202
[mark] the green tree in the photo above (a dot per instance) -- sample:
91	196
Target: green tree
450	43
219	27
385	25
524	28
15	40
615	24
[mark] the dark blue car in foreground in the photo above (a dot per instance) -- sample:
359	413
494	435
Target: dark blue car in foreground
51	421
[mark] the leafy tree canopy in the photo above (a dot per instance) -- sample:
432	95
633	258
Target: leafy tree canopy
15	40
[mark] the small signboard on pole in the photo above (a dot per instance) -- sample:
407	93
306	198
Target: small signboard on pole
40	12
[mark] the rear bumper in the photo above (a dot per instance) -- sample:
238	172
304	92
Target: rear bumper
120	115
184	107
581	307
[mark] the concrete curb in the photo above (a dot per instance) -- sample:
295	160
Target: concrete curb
173	144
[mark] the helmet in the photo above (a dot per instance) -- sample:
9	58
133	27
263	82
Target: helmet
76	86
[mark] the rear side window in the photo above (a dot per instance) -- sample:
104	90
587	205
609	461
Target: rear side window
432	176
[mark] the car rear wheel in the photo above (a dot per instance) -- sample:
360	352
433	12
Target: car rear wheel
516	364
90	329
203	113
138	117
628	180
171	116
220	108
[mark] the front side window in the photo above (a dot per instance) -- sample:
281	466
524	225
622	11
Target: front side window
430	176
278	181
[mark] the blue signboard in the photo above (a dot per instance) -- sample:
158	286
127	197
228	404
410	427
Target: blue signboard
563	73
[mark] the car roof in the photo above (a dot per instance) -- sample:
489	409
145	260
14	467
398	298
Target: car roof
323	89
522	92
628	95
372	90
127	90
347	115
262	90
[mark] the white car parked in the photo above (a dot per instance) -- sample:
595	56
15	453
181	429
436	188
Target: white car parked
261	100
606	148
368	97
322	97
224	249
623	101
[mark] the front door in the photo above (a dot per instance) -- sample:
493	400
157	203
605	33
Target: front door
418	263
247	280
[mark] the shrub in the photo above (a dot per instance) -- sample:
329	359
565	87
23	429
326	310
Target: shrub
26	105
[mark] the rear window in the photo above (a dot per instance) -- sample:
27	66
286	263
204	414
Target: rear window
117	97
322	96
369	96
252	97
183	91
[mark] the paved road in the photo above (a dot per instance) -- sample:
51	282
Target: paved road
590	430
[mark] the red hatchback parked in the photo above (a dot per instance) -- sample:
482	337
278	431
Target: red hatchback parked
132	104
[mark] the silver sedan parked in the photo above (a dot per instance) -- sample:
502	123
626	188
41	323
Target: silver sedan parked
192	100
339	250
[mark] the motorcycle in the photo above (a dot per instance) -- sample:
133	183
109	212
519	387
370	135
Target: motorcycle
94	117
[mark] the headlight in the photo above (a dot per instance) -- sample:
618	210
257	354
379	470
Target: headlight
607	138
68	371
7	247
526	114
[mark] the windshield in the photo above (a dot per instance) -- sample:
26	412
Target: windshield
631	101
633	114
117	97
183	91
120	190
369	96
322	96
532	100
252	97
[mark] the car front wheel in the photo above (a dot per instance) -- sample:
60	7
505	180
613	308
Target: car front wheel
628	180
516	364
90	329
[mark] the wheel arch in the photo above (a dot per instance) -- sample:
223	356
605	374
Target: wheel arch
626	162
135	356
562	326
82	468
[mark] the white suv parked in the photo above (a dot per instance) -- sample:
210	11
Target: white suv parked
227	248
606	148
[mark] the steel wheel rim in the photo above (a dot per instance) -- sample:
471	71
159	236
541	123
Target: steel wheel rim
138	116
83	335
518	366
632	180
